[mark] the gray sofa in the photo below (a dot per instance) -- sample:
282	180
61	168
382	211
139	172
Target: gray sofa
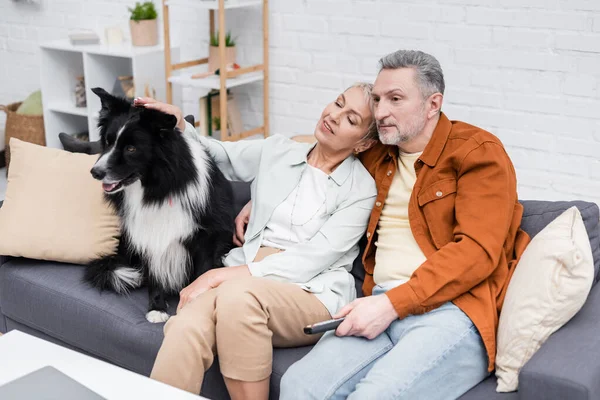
49	300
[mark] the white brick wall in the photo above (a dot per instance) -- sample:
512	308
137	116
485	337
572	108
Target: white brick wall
527	70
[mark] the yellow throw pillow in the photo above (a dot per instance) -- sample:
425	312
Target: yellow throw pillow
549	286
54	209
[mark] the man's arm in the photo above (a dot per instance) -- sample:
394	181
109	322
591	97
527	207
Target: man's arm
485	200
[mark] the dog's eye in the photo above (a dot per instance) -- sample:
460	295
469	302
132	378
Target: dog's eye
130	149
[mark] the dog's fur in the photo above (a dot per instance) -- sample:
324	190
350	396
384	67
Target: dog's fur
175	205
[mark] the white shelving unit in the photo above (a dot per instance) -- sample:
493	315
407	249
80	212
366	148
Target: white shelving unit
100	65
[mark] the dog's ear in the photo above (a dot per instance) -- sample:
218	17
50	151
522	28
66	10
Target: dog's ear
158	121
111	103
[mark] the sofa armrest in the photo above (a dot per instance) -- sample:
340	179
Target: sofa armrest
567	366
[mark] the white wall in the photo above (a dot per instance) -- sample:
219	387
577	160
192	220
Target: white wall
527	70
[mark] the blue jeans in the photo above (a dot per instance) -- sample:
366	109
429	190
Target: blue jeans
437	355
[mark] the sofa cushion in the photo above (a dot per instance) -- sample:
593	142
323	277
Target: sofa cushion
537	214
486	390
559	261
52	298
64	219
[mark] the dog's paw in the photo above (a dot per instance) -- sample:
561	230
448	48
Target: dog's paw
157	317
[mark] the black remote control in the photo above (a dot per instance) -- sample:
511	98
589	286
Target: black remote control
323	326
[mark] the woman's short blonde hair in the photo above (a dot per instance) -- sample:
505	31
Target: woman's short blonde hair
367	89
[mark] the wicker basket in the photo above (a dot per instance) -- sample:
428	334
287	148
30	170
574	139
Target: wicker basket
28	128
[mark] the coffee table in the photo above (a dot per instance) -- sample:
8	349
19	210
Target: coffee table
21	354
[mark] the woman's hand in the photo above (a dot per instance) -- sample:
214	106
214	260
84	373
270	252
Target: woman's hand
210	280
241	221
152	104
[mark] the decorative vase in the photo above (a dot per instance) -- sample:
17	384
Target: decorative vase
144	32
213	57
80	99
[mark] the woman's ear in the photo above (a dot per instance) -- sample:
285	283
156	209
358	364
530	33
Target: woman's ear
364	145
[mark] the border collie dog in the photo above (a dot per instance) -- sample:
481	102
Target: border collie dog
175	205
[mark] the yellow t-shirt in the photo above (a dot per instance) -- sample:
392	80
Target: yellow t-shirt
397	253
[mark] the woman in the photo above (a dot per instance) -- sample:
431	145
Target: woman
310	207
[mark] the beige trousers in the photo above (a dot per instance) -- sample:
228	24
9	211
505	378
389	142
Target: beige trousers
241	321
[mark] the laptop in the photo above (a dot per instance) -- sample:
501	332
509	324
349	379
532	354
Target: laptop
46	383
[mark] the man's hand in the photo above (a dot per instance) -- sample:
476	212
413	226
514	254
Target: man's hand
367	317
241	221
152	104
210	280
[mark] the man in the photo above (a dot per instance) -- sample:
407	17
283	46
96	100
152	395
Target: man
442	242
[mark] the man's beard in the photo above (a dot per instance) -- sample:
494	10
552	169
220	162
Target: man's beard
403	135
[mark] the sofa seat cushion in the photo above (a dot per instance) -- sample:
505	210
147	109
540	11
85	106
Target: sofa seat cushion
52	298
486	390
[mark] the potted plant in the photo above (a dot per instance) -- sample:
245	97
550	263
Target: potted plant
213	55
143	24
216	131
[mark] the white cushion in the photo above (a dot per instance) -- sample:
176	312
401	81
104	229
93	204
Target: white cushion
550	284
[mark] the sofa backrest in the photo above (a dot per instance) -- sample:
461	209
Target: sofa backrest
241	195
537	214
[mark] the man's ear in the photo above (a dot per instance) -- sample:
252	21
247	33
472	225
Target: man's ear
111	103
435	104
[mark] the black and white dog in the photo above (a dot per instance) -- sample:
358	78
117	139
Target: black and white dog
175	205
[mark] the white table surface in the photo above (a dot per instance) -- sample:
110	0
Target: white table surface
21	354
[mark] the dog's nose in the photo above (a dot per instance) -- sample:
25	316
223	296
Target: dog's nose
98	173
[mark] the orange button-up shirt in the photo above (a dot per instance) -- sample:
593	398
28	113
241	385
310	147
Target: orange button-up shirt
465	217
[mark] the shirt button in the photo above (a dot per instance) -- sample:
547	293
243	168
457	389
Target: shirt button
378	204
389	173
438	193
368	234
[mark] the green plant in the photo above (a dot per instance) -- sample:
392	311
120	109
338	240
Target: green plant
229	40
142	11
217	123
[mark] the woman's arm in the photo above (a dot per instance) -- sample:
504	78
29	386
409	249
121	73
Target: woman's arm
239	161
337	236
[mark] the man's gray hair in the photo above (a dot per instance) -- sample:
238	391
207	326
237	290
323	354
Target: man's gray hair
429	71
367	89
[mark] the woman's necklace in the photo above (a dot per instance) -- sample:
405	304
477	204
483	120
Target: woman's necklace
298	188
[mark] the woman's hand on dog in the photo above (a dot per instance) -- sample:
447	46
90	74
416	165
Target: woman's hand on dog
210	280
150	103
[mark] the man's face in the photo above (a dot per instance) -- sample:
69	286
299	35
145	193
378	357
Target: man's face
400	110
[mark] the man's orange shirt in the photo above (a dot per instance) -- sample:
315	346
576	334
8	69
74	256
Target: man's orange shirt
465	217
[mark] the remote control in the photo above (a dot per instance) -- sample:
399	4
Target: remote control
323	326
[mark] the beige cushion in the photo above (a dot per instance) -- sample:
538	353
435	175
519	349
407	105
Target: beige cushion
549	286
54	209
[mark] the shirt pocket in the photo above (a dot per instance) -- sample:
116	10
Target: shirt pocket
437	204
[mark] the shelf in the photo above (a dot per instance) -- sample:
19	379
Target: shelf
214	4
67	108
125	50
214	82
